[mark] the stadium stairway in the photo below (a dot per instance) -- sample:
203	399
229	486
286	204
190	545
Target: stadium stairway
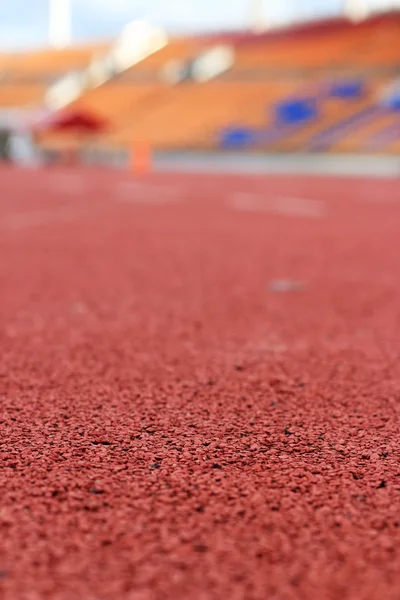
386	139
331	110
324	140
393	147
338	118
357	141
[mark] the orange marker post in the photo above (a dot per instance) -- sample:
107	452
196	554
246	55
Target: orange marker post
141	158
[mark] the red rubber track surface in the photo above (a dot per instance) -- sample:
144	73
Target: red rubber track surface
171	427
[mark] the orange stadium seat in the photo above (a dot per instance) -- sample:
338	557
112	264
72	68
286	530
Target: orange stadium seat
189	115
356	45
50	61
21	94
381	46
394	147
118	101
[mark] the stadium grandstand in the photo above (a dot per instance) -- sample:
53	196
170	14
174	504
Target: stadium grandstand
326	86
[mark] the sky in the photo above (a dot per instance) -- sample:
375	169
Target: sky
24	23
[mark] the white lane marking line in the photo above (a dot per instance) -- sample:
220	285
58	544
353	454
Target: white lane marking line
283	286
34	218
146	193
71	184
286	206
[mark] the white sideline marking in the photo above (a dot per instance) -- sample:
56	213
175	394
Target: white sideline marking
290	207
147	193
72	184
34	218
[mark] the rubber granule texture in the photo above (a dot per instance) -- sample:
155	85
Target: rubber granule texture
199	396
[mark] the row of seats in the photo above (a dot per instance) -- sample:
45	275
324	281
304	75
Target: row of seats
21	94
190	115
119	102
25	77
55	62
333	111
322	53
372	43
369	44
50	61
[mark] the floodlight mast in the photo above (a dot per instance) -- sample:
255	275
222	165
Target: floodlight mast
60	30
257	15
356	9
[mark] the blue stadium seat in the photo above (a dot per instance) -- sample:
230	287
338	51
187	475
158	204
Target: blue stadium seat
348	89
234	138
296	110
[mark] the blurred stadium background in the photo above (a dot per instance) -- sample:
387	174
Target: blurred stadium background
310	84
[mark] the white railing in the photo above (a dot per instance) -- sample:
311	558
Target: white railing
137	41
209	64
213	63
66	90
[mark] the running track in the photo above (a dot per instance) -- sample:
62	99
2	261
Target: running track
175	425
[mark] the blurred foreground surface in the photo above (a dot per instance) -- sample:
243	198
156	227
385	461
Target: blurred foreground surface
200	387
